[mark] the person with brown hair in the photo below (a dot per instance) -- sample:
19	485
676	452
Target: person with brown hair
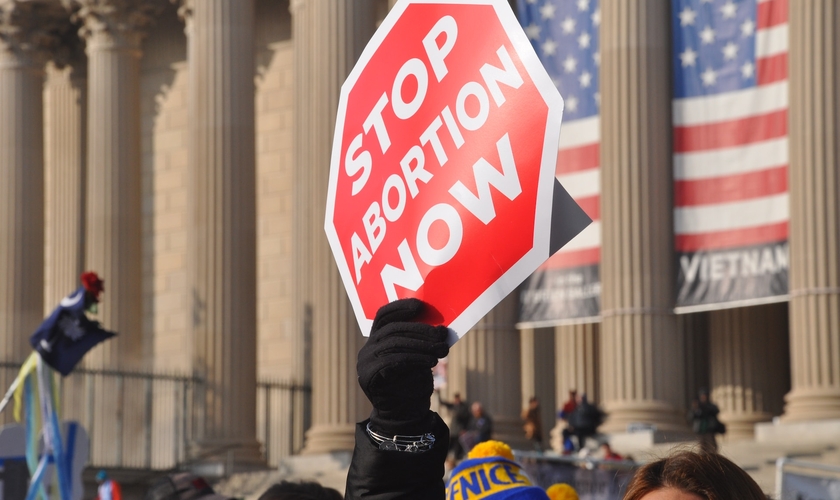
689	475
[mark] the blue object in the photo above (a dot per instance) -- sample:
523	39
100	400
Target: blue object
67	334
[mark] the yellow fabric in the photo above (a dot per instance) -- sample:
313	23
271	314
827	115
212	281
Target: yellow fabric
28	367
485	479
56	395
561	491
491	449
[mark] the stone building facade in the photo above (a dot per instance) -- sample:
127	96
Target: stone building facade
181	149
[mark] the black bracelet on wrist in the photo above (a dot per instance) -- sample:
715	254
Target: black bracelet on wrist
410	444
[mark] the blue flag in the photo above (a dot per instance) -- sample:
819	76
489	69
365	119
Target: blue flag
67	334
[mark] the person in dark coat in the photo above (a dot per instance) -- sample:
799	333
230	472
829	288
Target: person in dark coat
401	449
460	411
585	420
480	428
705	423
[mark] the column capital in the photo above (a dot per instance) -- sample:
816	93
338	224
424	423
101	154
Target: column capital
295	6
115	24
70	52
185	9
185	13
30	30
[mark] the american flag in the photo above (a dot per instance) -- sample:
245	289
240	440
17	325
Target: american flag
730	123
564	34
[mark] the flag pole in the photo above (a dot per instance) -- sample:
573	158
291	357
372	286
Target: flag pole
25	369
9	394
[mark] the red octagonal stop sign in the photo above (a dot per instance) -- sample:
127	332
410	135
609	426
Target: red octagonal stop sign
443	162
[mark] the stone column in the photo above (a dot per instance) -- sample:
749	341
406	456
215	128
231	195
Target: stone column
329	36
113	30
538	362
577	354
695	327
814	125
577	366
485	366
642	377
749	365
65	102
27	31
222	238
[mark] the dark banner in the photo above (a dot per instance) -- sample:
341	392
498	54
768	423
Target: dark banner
592	480
555	296
728	277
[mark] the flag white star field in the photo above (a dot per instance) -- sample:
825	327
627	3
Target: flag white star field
730	140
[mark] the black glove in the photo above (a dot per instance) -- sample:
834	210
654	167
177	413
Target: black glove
395	367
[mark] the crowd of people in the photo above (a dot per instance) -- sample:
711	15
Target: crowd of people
581	419
403	449
470	424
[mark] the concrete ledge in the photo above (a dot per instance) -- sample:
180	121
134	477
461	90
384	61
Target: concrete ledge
328	469
335	461
644	439
819	431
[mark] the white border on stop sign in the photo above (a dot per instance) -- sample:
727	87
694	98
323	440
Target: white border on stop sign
539	253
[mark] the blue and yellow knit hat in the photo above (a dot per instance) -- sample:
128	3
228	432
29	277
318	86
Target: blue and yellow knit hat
489	472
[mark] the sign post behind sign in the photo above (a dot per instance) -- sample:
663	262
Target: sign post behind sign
442	173
14	472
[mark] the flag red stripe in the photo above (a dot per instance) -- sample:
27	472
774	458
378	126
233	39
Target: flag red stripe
772	69
579	158
576	258
771	14
591	205
730	133
733	238
731	187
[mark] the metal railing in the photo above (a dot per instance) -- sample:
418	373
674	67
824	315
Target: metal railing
139	420
282	418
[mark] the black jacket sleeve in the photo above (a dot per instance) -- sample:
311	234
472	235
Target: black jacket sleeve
383	475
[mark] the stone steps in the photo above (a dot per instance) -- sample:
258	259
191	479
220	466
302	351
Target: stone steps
327	469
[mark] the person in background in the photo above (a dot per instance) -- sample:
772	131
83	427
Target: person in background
689	475
533	423
569	406
460	411
567	409
608	453
480	428
108	489
705	423
304	490
585	420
